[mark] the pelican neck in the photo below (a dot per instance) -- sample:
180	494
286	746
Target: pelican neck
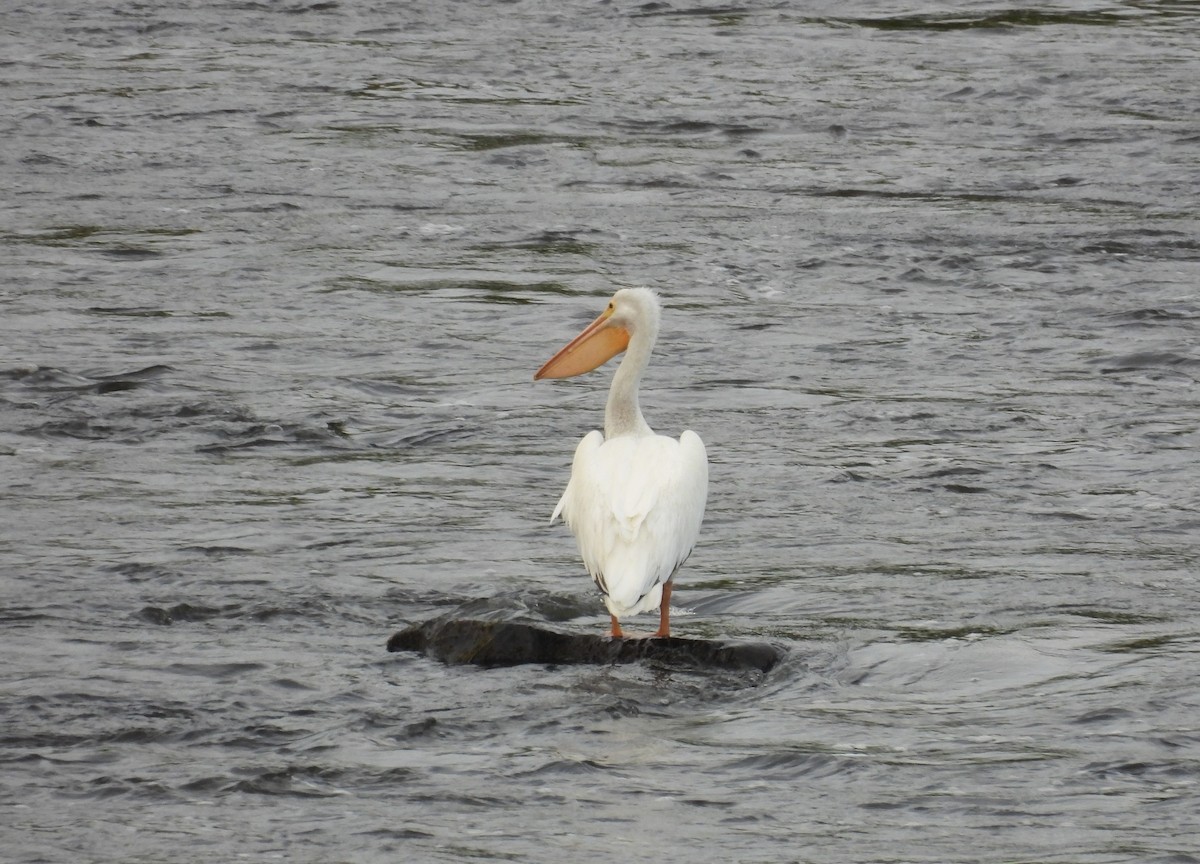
622	414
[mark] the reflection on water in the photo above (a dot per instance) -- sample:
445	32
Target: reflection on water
278	280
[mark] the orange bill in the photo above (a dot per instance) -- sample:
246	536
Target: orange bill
596	345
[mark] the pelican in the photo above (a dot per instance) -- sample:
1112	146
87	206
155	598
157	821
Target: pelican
635	499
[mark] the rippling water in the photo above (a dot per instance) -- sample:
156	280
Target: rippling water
277	276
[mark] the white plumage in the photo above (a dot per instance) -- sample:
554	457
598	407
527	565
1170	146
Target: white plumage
635	499
635	503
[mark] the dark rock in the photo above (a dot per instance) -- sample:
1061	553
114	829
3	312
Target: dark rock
511	643
155	615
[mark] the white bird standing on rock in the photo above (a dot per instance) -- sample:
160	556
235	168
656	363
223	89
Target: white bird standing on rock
635	500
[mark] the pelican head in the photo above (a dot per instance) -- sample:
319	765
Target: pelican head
632	313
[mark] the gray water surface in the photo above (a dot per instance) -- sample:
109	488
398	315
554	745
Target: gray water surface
276	280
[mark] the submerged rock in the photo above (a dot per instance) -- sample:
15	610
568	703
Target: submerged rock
178	612
511	643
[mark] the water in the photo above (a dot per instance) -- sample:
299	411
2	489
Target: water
277	277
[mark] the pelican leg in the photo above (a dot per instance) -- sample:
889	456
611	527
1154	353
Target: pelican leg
664	612
616	628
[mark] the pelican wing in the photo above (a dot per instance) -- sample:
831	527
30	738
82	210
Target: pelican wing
635	504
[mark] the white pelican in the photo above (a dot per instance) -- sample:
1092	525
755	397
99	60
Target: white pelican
635	500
